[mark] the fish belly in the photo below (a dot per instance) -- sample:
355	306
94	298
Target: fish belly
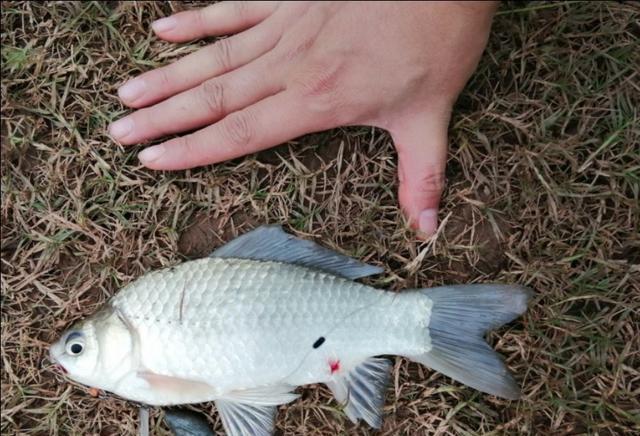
240	324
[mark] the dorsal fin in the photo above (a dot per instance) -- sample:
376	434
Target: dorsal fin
271	243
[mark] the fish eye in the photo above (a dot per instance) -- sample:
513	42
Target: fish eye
74	345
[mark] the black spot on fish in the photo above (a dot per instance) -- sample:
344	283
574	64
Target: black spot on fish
318	342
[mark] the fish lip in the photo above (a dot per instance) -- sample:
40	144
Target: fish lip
52	356
56	364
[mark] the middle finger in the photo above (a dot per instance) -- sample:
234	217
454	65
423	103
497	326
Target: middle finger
211	61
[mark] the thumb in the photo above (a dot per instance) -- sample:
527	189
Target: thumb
421	143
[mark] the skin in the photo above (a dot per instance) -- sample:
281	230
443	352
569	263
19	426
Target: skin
293	68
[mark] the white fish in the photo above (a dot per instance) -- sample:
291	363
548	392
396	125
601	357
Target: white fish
269	312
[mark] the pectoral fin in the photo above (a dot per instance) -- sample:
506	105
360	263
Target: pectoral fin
252	411
243	419
271	243
175	387
263	396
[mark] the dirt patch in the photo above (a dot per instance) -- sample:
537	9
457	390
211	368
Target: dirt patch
209	232
629	251
484	238
21	155
325	152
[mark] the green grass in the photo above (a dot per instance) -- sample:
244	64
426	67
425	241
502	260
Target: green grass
543	189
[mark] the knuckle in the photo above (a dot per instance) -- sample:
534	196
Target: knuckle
212	94
222	54
187	145
323	94
241	8
162	78
431	182
238	128
297	49
321	82
200	18
150	121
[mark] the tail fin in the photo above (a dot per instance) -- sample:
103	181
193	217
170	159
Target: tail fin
460	316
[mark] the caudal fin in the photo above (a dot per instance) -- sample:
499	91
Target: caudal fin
460	316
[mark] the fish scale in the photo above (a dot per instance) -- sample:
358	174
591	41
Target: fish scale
271	311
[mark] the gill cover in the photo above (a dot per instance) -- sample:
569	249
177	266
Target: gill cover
110	350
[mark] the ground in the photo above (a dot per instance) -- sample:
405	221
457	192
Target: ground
543	190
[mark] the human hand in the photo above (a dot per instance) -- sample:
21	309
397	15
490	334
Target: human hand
302	67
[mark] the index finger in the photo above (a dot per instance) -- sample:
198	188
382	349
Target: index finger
218	19
265	124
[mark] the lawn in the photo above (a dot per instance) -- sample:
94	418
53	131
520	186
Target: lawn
543	187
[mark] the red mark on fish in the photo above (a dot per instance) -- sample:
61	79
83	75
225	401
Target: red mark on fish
334	365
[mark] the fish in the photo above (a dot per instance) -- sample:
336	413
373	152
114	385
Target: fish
269	312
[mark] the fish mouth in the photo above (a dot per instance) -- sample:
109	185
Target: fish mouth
56	365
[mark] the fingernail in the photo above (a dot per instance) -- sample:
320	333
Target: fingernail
428	221
121	128
151	154
132	90
164	24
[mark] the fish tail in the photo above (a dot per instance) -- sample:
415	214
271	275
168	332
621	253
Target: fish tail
460	315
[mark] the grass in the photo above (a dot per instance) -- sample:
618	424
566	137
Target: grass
543	190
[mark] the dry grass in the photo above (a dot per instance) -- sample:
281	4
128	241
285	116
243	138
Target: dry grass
543	189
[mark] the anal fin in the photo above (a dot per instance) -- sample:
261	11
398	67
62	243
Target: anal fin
362	390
